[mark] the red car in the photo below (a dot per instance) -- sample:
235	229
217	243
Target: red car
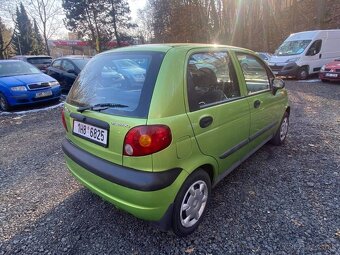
330	71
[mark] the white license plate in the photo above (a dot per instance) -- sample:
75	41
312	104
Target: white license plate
331	75
89	132
275	72
43	94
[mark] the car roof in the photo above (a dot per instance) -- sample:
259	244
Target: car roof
71	57
10	60
32	56
167	46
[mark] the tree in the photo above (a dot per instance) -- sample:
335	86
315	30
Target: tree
145	24
257	24
6	37
89	18
39	43
47	12
119	13
23	35
98	20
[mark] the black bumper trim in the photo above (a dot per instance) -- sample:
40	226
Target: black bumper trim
124	176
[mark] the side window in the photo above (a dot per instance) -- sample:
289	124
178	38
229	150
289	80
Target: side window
255	74
211	79
57	64
67	66
314	48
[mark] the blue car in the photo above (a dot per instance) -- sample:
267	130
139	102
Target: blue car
22	83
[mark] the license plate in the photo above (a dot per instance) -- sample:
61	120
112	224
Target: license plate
43	94
89	132
275	72
331	75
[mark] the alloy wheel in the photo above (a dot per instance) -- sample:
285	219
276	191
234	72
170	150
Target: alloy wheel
284	129
194	203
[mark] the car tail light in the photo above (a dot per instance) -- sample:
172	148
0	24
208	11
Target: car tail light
145	140
63	119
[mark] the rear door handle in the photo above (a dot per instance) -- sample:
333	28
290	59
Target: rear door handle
206	121
320	55
257	104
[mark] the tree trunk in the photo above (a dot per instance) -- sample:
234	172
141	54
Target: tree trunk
320	6
46	40
114	21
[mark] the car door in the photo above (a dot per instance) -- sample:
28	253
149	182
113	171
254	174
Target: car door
264	109
54	70
69	73
314	56
217	109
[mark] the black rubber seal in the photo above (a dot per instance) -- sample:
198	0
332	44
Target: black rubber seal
124	176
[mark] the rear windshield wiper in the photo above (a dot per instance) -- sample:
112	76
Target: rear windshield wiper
100	107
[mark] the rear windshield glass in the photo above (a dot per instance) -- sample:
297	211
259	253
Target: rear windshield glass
40	60
126	78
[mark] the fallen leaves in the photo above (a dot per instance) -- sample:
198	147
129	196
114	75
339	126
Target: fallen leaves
189	250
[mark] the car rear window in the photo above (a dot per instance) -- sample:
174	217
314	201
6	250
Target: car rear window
118	78
39	60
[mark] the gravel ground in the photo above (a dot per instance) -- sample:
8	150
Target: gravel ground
282	200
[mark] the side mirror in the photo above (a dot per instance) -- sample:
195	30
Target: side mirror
277	84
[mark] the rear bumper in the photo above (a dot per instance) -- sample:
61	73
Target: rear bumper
290	69
146	195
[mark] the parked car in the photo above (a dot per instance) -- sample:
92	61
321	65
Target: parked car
134	74
42	62
21	83
265	56
66	69
156	151
248	63
330	71
304	53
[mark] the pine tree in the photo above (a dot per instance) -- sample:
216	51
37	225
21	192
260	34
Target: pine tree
23	38
119	13
89	19
39	47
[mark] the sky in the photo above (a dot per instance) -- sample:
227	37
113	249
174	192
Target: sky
135	5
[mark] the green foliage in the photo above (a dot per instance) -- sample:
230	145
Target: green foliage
38	46
23	40
98	20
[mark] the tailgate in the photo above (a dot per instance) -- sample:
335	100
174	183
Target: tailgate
108	127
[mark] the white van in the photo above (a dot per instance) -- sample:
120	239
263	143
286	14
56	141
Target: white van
305	53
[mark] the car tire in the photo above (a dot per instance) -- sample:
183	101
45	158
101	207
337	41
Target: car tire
323	80
281	134
4	105
191	203
303	73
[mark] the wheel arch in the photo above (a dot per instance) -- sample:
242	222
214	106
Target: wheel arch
209	169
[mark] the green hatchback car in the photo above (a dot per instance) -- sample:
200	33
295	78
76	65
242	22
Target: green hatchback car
153	136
